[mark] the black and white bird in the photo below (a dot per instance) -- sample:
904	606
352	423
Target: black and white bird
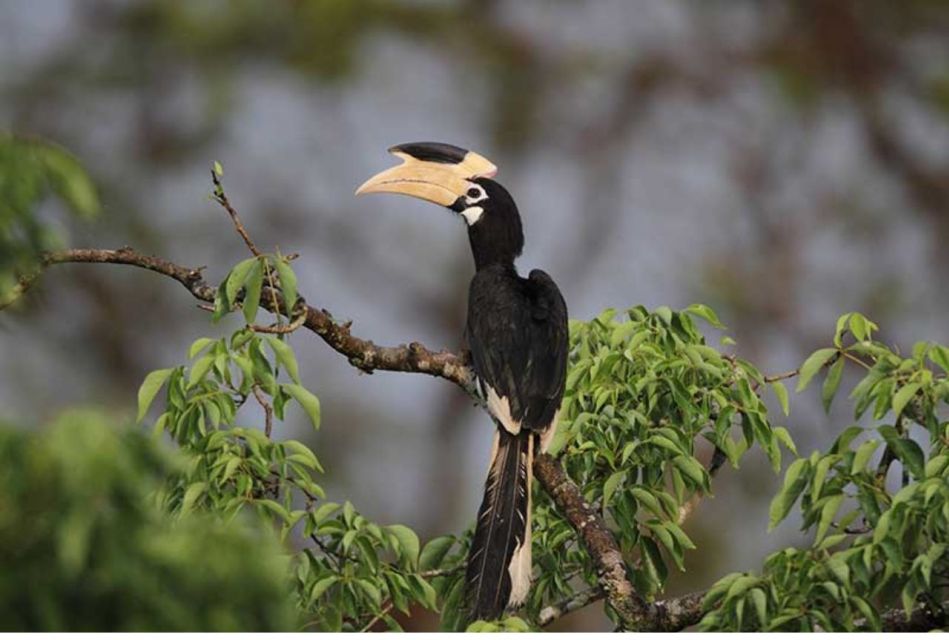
517	334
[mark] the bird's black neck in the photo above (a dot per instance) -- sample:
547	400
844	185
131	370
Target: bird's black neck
487	255
497	237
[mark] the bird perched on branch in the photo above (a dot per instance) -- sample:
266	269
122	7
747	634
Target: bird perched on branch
517	334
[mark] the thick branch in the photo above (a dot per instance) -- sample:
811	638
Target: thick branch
363	354
611	568
922	618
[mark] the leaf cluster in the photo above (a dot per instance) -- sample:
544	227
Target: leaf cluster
877	500
30	171
86	546
643	390
348	572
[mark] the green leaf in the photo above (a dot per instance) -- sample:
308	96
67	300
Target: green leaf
200	369
882	527
740	586
288	284
192	493
781	392
408	541
862	456
218	169
936	465
309	402
277	508
940	356
371	590
839	331
691	468
820	473
684	541
831	383
303	453
646	498
902	397
70	181
784	437
198	346
434	552
609	487
665	443
252	288
706	314
285	356
858	327
760	600
150	386
813	364
795	479
827	513
910	455
324	510
427	595
320	587
237	277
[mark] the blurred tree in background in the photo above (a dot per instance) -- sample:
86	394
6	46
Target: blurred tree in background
86	546
781	161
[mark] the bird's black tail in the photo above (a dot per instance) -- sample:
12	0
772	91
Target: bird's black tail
499	561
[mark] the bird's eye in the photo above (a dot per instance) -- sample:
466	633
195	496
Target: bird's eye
475	194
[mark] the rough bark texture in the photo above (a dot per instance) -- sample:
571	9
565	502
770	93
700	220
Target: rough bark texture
599	542
363	354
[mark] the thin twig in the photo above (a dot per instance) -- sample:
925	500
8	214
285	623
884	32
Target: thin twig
17	291
435	573
268	410
782	376
221	198
279	328
268	272
385	611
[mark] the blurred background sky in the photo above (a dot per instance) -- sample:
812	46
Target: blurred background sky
783	162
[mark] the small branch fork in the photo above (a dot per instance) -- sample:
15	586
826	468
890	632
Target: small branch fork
633	612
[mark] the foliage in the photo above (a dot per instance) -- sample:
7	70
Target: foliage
31	170
640	390
880	537
86	547
349	572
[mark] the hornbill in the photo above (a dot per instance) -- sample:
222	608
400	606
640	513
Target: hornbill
517	334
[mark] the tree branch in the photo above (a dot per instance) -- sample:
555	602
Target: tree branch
573	603
611	567
362	354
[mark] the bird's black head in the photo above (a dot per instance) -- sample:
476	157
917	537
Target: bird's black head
494	224
461	181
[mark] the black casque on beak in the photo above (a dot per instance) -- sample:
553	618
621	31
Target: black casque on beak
432	171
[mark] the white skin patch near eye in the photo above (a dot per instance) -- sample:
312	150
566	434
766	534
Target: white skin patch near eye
472	214
474	195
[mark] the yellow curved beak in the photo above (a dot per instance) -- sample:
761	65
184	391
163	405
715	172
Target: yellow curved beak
434	181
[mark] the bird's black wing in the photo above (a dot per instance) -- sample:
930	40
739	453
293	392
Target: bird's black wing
546	371
517	333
